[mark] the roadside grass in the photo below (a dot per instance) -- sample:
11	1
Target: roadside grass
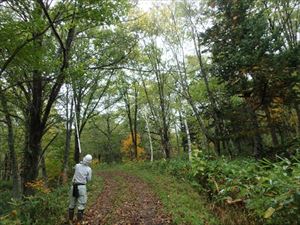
95	187
178	197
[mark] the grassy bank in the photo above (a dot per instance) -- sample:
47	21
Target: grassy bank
242	191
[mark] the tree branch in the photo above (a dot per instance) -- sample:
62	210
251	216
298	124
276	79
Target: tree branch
19	48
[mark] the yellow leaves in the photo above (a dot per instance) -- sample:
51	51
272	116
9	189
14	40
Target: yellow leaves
38	185
127	143
95	162
243	71
128	148
269	212
277	109
13	213
278	100
276	112
140	152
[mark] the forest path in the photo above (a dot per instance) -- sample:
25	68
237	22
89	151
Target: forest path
126	199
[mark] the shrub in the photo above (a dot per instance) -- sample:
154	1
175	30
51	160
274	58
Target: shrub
5	196
40	209
268	190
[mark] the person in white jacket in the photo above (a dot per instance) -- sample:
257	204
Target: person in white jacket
78	194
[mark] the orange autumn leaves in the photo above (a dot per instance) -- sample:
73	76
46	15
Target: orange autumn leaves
128	148
38	185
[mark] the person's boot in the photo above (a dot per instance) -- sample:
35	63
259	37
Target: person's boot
79	216
71	215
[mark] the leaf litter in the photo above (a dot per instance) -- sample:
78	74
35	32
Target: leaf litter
126	200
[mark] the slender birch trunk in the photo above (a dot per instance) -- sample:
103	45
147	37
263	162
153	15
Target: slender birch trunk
149	136
188	139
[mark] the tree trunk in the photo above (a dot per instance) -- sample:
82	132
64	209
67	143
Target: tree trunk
297	108
187	95
35	132
237	143
69	122
77	115
132	121
282	136
257	140
149	136
109	135
184	141
76	150
165	126
201	123
271	127
37	115
30	162
177	140
188	139
226	147
215	112
161	83
158	115
166	141
11	146
44	170
6	169
216	141
135	120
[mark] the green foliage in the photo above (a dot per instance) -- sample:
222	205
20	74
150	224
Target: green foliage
5	196
45	207
39	209
277	189
269	191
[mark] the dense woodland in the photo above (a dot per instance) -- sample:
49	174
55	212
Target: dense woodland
212	77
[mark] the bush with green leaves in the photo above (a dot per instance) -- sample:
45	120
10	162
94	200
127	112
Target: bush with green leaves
40	209
5	196
268	190
46	207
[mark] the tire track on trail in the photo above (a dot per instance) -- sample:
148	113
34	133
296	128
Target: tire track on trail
126	199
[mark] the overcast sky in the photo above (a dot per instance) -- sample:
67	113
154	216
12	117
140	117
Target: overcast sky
147	4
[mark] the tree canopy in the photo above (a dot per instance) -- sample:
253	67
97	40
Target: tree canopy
128	84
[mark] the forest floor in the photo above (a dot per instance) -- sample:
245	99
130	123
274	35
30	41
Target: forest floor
126	199
138	197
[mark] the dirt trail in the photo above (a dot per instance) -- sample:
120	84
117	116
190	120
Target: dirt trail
128	200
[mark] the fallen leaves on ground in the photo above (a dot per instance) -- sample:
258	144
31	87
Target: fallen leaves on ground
128	200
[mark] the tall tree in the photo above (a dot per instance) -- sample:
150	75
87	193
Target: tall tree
48	31
131	107
11	146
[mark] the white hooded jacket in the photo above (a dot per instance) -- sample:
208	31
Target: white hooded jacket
83	173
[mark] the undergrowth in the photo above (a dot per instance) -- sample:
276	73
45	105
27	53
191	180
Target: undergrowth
242	191
263	192
46	207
